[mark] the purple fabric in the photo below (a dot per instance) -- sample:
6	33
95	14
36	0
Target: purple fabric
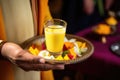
103	61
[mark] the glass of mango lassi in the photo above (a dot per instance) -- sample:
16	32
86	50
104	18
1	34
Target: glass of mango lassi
55	30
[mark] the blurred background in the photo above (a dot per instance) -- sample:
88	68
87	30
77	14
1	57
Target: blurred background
82	14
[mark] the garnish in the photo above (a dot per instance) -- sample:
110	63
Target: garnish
71	50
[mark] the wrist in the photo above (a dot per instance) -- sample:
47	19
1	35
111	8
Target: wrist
1	46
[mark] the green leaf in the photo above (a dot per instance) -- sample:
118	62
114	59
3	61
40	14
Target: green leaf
64	53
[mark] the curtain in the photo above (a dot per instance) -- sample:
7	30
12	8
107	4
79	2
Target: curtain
2	30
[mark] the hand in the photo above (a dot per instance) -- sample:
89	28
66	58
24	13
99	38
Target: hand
25	60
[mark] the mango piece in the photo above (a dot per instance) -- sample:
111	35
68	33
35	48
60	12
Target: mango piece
59	57
79	43
66	57
68	45
36	51
83	45
33	51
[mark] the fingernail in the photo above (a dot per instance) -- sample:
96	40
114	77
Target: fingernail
42	61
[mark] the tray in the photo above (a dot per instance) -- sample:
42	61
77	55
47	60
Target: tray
38	39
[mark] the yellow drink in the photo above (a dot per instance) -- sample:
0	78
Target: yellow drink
54	36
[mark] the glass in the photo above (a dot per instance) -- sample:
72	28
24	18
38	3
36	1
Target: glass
55	30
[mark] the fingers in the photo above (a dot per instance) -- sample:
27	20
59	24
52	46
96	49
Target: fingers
40	67
37	60
28	62
25	56
45	67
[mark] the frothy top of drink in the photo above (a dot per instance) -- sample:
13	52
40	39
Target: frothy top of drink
55	29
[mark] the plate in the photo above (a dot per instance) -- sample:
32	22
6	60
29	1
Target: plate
112	30
85	55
